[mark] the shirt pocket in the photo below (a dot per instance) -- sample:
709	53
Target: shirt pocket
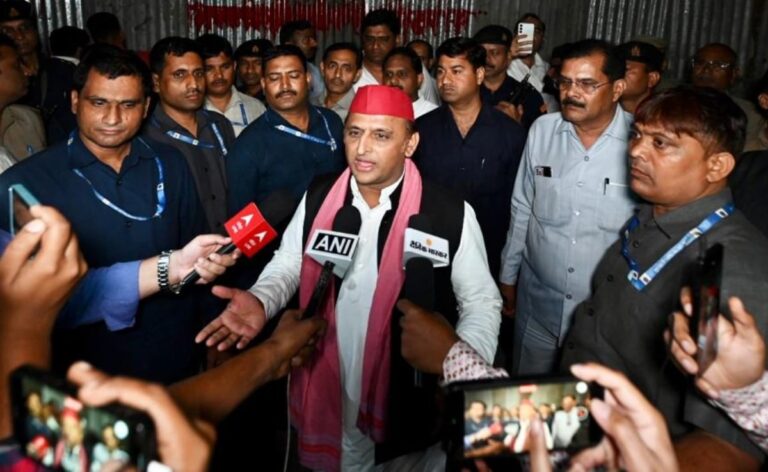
616	205
549	202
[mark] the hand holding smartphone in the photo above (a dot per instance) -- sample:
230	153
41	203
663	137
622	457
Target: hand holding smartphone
706	305
525	33
19	200
492	418
57	430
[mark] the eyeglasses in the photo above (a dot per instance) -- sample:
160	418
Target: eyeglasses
702	64
584	85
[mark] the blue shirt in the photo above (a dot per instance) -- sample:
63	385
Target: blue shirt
160	345
479	168
265	159
568	207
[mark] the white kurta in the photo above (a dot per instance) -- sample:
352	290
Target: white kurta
476	294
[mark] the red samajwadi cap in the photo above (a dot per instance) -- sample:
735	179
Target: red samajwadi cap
382	100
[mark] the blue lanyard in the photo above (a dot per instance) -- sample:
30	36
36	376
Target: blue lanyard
160	189
243	114
640	281
331	142
196	142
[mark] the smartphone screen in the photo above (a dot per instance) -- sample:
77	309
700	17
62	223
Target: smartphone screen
55	429
20	200
495	416
706	305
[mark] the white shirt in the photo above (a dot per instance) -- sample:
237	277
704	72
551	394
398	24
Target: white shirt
6	160
241	111
564	426
427	90
422	107
366	78
478	302
517	70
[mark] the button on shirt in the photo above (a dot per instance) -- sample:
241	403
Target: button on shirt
241	111
205	160
568	206
265	159
623	328
479	168
478	300
159	345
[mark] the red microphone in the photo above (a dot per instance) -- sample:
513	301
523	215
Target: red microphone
251	230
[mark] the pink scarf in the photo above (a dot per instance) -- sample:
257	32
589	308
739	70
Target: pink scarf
316	391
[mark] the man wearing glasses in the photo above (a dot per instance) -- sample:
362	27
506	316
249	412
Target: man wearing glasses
569	203
716	65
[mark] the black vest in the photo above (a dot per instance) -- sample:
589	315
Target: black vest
414	419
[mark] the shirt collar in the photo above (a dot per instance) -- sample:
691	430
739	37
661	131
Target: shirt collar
234	100
166	123
80	156
688	216
274	118
386	192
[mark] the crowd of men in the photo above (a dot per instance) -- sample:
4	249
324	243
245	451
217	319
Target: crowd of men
572	199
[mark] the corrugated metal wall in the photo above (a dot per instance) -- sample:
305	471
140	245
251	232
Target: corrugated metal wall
684	24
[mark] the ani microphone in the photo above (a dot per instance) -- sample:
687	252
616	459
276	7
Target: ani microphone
334	250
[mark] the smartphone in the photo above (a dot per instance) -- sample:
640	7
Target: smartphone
526	29
491	418
706	305
19	201
55	429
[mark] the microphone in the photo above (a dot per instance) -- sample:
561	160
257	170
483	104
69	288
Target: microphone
252	228
419	286
334	250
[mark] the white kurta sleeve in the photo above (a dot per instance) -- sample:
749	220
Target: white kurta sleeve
478	298
280	278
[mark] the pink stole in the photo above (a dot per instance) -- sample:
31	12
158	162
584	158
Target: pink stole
316	390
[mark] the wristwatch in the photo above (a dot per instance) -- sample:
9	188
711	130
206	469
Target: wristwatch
163	264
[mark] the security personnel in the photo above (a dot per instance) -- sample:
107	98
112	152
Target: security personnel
499	88
179	120
127	199
291	143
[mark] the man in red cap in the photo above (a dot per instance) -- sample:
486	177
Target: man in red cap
356	404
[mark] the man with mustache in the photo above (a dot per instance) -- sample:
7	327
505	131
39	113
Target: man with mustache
716	65
570	201
499	87
403	69
221	95
291	143
341	69
179	120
